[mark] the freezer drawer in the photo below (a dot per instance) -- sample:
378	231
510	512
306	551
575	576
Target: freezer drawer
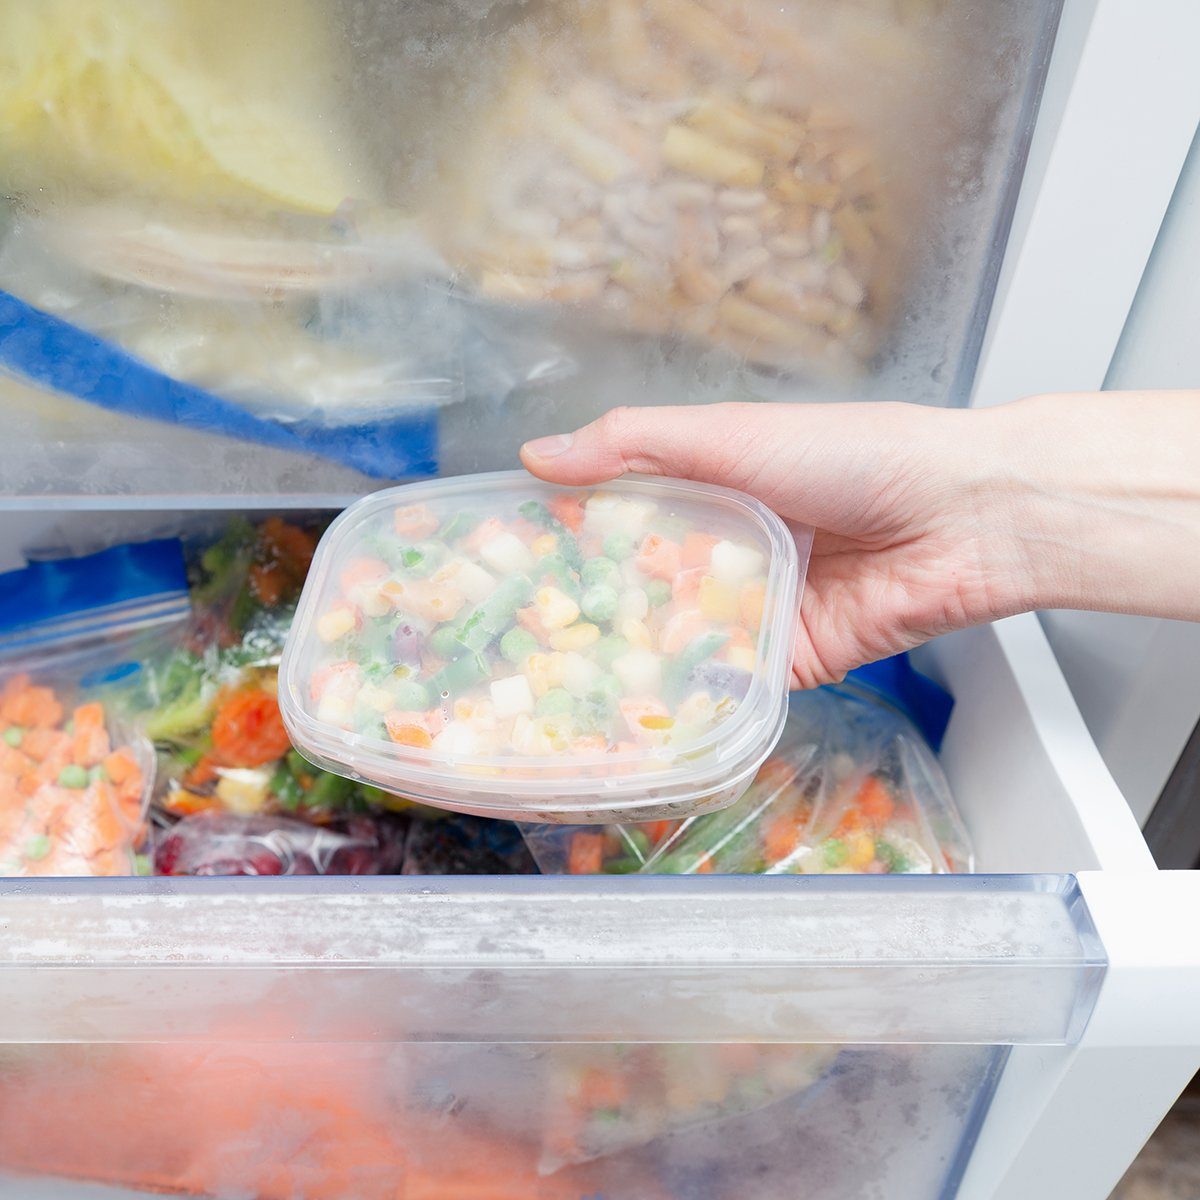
372	241
659	1037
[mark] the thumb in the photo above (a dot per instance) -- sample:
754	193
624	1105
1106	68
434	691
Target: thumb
719	443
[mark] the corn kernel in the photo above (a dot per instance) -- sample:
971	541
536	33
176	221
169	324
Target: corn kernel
741	658
862	850
555	608
718	601
635	633
336	623
544	671
654	721
547	543
575	637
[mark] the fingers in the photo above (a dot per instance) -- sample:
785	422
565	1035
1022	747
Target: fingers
730	444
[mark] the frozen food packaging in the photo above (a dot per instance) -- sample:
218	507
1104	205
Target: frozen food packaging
500	646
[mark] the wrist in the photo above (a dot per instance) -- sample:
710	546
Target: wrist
1105	501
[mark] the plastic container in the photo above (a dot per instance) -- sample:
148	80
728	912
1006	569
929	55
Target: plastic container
580	656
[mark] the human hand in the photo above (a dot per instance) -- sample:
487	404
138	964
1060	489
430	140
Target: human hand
931	520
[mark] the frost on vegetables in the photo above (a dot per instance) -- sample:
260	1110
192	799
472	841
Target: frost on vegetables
574	625
216	724
72	796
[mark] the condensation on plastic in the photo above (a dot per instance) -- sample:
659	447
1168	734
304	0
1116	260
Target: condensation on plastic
586	785
174	1034
81	818
358	148
851	787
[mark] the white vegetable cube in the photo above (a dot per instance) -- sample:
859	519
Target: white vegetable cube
507	554
456	740
376	698
639	672
579	674
512	696
335	710
372	601
244	790
473	581
555	608
632	576
335	623
632	605
605	513
734	563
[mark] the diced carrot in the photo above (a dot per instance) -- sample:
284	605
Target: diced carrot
704	866
685	590
248	729
590	744
185	803
567	508
39	744
12	760
408	735
603	1089
697	549
335	678
586	854
292	546
529	619
89	739
875	801
121	766
34	708
362	570
203	772
782	835
482	534
414	521
659	558
685	625
268	582
657	831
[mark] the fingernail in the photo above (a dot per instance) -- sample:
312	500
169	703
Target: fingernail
550	447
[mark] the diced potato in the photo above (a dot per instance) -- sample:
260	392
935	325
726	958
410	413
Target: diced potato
244	790
506	553
639	672
512	696
734	563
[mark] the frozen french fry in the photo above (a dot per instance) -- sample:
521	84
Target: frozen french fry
696	154
600	159
746	128
699	28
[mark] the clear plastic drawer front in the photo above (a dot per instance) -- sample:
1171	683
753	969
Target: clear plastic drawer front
681	1038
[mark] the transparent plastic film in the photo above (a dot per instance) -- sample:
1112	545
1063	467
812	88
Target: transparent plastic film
851	788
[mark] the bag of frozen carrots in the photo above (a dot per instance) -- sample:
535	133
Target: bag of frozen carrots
75	776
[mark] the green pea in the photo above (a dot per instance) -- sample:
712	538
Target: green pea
445	644
599	602
658	592
36	848
518	644
458	526
618	546
73	777
411	696
608	649
834	852
600	570
97	775
13	735
557	702
143	864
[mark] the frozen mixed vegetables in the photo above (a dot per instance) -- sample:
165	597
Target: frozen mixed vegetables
72	790
851	788
580	624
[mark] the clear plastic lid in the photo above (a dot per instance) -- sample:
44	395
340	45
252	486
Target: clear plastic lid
502	646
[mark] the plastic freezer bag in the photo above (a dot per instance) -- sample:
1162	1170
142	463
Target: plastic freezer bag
580	1103
217	843
217	726
75	773
851	787
711	168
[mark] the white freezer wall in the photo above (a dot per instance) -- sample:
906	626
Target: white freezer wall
1137	680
